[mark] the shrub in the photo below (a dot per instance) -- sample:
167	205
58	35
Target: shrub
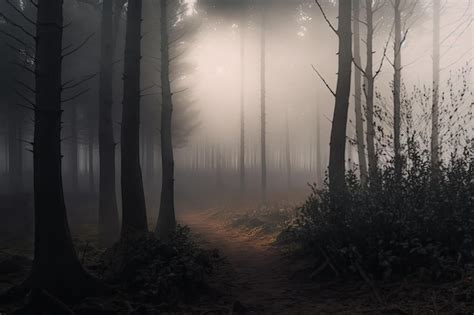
161	272
391	228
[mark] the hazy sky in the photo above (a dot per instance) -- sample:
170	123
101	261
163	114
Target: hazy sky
298	37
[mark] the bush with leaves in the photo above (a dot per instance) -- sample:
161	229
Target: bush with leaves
159	272
419	225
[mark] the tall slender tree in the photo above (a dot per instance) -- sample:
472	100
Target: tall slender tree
56	267
287	151
242	102
359	120
436	76
339	123
369	89
263	145
166	219
397	78
108	211
134	217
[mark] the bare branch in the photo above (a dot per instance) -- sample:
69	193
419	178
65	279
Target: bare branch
326	18
75	96
80	46
324	81
20	12
66	85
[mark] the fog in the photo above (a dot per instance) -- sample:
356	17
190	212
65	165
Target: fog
208	100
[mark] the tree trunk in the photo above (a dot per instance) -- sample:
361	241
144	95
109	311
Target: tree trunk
397	66
369	92
108	211
74	151
166	219
90	163
56	267
263	110
319	167
242	103
339	122
134	218
288	152
359	120
15	150
436	75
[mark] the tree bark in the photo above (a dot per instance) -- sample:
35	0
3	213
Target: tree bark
74	151
397	67
108	211
359	120
436	74
15	150
166	219
263	146
288	152
369	92
339	122
319	167
56	267
134	218
242	103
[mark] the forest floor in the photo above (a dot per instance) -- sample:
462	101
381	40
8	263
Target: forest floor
261	279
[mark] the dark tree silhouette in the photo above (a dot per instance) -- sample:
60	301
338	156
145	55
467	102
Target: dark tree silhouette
134	218
397	78
359	120
166	219
263	122
56	267
436	75
108	212
339	122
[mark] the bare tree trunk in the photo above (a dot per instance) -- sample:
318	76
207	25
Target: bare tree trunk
263	110
108	211
134	218
166	219
397	66
56	267
288	152
436	74
359	120
90	163
319	167
15	150
369	92
74	151
242	103
339	122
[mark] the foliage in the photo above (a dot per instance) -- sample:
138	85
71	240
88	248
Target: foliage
161	272
392	228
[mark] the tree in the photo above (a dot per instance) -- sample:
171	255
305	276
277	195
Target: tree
56	267
263	149
359	120
436	76
108	211
339	122
166	219
397	67
369	90
242	102
287	151
134	218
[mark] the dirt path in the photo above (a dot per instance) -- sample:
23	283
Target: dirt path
261	277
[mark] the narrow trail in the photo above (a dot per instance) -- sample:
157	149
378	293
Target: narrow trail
261	277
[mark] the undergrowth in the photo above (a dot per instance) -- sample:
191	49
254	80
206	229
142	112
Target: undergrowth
418	225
